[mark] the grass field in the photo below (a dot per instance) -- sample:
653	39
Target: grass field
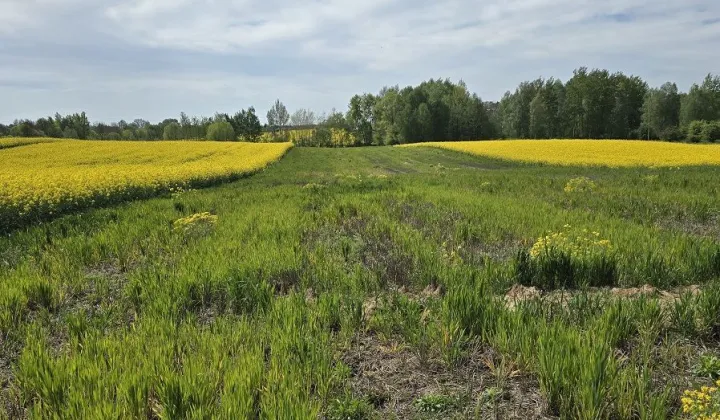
385	282
42	180
614	153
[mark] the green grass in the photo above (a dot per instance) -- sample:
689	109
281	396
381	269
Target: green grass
112	313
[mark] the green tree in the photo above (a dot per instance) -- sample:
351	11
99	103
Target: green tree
127	134
221	130
70	133
702	101
539	117
172	131
711	131
360	117
696	131
661	109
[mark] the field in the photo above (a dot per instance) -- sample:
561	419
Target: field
70	175
6	143
384	282
616	153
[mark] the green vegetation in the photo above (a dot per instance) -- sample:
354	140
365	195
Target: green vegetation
221	131
592	104
372	283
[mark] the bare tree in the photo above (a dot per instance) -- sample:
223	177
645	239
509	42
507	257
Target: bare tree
303	117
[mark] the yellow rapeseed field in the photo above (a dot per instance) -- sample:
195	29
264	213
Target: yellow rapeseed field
44	179
22	141
614	153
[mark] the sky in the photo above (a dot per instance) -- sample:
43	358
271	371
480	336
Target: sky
153	59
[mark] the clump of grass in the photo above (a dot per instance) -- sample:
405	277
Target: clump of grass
568	259
196	225
581	184
348	407
708	366
435	403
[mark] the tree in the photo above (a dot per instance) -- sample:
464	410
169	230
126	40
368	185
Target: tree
303	117
539	118
172	131
48	127
711	131
252	127
143	133
626	115
702	101
221	130
661	109
277	116
70	133
246	124
128	134
360	117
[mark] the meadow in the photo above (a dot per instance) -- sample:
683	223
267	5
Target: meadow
384	282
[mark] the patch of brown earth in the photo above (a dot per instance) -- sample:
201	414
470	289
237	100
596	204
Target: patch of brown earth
519	293
392	378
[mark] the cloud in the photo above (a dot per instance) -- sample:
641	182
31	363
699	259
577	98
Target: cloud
153	58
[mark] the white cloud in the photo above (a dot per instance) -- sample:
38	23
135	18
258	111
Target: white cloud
211	54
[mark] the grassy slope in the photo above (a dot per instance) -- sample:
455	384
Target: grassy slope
380	258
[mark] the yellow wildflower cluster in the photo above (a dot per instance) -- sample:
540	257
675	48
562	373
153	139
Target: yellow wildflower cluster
576	243
196	225
613	153
339	137
580	184
44	179
702	404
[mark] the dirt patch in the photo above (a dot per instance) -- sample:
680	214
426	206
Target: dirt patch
285	281
477	251
519	293
392	378
709	228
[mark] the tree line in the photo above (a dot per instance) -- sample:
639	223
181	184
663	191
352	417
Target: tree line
591	104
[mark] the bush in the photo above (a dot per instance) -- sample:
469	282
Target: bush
711	131
567	260
672	134
221	131
695	131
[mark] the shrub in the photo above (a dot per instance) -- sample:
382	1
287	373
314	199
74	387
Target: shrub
580	184
711	131
672	134
568	259
695	131
708	366
221	131
198	224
